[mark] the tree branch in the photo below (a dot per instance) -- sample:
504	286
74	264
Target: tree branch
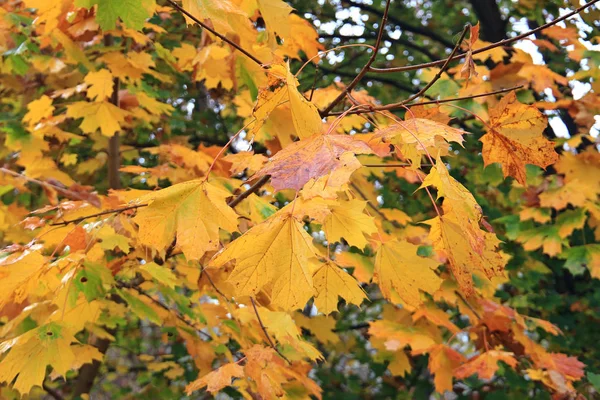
419	30
365	69
217	34
264	329
369	108
486	48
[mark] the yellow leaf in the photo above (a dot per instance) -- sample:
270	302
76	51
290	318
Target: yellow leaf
398	335
332	282
458	201
98	115
31	352
516	138
277	253
218	379
38	110
321	326
448	237
400	271
347	220
275	13
305	116
420	132
100	85
192	211
393	214
69	159
19	274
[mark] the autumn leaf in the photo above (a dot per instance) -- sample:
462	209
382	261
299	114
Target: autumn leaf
133	13
100	85
330	156
400	272
304	115
191	213
38	110
347	220
443	362
485	365
277	253
31	352
419	132
515	138
331	282
98	115
217	379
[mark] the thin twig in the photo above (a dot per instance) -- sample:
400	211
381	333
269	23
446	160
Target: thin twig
441	71
264	329
388	107
252	189
99	214
255	187
373	206
486	48
217	34
65	192
166	308
312	90
393	165
364	69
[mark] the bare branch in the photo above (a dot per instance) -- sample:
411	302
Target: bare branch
252	189
264	329
217	34
486	48
364	69
369	108
440	72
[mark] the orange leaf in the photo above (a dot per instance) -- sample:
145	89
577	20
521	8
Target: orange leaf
515	138
217	380
485	365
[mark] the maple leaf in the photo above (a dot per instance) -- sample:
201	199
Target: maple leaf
458	201
397	336
38	110
304	115
20	273
217	379
100	85
443	362
330	156
447	236
347	220
331	282
192	212
133	13
419	132
399	271
225	15
515	138
98	115
485	365
31	352
276	253
275	14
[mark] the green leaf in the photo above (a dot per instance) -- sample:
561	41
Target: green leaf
141	309
133	13
594	380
